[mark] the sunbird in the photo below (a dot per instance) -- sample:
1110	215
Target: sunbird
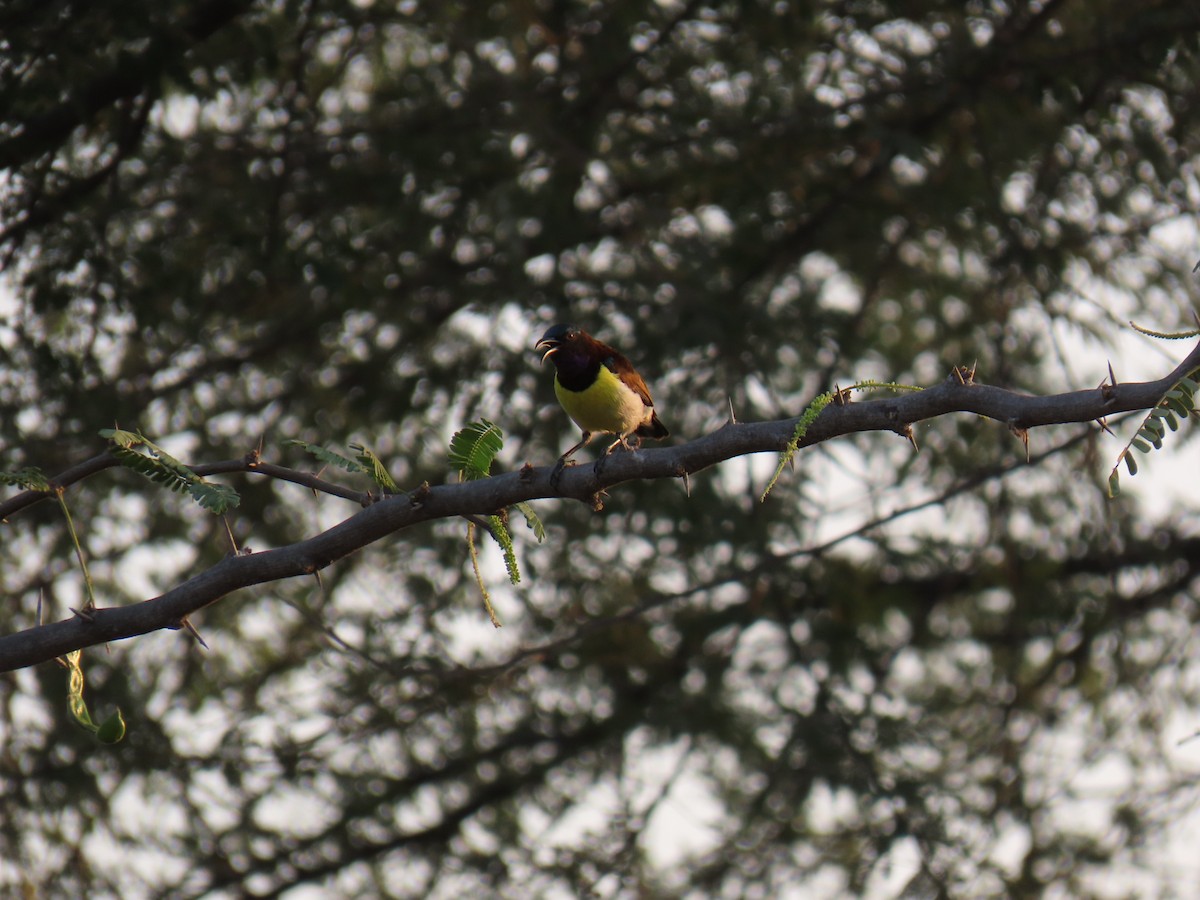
600	390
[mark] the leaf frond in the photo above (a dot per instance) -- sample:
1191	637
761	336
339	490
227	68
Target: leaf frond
162	468
328	456
373	466
474	448
1179	402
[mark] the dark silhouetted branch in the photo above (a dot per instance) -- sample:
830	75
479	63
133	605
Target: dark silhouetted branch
476	498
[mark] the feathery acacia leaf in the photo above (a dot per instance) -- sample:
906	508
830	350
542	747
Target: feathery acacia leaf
474	448
329	457
162	468
504	539
373	466
1178	401
29	478
532	520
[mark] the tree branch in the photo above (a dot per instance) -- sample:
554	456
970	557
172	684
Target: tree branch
251	462
391	514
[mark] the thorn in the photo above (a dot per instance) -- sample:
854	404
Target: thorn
957	372
687	481
912	437
1112	379
1104	425
254	457
1023	436
229	534
191	629
732	415
41	594
85	613
971	374
418	497
526	473
1195	267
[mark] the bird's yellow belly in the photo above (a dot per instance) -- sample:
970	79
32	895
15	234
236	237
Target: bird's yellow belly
606	406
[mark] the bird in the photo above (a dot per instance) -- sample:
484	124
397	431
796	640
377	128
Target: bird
600	390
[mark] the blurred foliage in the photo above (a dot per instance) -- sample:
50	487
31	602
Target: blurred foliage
328	221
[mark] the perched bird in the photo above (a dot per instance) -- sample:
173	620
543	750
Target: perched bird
599	389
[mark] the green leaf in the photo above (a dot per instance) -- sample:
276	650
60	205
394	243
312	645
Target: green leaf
374	466
216	498
1165	335
504	539
29	478
329	457
532	520
112	729
1140	445
1130	464
807	418
1180	402
1151	435
474	448
162	468
1178	408
1168	416
126	439
151	468
1114	483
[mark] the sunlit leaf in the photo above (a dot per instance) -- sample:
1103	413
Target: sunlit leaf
474	448
329	457
374	466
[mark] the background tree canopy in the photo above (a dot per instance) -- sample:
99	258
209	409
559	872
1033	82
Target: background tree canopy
349	221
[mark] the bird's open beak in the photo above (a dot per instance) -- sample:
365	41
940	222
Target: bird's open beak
553	345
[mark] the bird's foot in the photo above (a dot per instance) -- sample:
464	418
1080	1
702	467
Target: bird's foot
556	473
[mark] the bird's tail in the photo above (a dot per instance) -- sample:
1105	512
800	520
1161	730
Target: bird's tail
653	429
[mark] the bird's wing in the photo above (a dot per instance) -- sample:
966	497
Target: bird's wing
623	369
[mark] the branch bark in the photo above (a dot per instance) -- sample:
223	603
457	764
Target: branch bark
43	643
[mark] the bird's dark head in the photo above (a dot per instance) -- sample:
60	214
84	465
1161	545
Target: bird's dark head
564	341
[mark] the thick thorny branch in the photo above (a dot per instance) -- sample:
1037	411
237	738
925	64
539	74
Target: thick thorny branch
956	394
